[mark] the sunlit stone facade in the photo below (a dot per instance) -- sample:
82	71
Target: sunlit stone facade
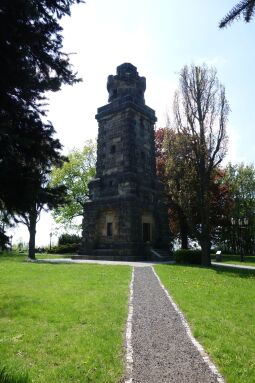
125	215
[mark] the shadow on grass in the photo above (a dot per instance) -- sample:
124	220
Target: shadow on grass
9	376
23	256
12	256
53	256
234	258
234	272
228	271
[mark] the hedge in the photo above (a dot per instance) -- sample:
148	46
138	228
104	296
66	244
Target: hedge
64	249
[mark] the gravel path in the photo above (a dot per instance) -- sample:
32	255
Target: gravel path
162	350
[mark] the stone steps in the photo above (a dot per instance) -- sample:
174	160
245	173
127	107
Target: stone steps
153	255
108	255
160	255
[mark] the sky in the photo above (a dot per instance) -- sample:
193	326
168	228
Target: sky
159	38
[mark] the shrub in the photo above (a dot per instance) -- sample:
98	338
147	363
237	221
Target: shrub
64	249
192	257
67	239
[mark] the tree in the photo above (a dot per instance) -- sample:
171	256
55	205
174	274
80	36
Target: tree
4	222
20	170
75	175
177	172
67	239
200	111
239	238
244	7
44	197
171	169
32	63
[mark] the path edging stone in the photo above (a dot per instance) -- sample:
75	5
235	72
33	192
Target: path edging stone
129	349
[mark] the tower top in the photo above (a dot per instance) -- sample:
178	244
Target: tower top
127	82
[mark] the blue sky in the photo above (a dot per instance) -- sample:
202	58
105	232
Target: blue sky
159	38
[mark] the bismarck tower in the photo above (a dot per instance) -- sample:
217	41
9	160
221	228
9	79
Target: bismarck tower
125	217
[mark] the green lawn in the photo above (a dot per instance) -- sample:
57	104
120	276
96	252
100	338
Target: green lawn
249	260
220	306
62	323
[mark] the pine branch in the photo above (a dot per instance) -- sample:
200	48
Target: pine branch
249	12
235	13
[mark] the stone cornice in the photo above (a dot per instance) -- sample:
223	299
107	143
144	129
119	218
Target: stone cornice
120	105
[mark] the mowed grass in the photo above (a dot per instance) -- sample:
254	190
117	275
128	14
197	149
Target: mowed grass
219	304
62	323
249	260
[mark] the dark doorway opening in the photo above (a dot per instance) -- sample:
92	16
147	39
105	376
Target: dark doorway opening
146	232
109	229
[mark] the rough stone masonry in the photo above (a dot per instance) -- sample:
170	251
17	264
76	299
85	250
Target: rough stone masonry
125	216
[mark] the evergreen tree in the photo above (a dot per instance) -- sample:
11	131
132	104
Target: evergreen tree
31	63
244	7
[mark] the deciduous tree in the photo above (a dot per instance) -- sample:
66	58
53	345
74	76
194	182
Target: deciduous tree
43	197
74	176
240	179
177	172
200	111
173	172
4	223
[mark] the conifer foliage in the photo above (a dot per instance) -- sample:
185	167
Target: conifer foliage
245	8
31	63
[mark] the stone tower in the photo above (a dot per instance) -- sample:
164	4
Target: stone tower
125	215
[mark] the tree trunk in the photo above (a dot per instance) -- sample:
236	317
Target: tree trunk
205	240
32	233
183	231
206	256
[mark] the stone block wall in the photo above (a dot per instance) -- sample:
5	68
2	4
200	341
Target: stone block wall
126	211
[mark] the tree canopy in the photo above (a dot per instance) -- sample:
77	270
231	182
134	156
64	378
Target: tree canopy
31	63
239	233
200	116
75	175
176	169
45	198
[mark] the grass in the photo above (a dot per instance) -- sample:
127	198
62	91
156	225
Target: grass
13	376
249	260
21	255
220	306
62	323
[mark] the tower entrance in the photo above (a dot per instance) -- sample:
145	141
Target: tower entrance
146	232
